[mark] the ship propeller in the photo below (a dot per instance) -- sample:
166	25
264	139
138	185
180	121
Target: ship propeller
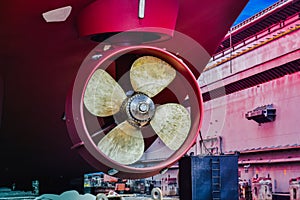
105	97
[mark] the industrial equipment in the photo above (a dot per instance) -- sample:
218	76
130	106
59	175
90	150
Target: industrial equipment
209	177
295	188
261	188
262	114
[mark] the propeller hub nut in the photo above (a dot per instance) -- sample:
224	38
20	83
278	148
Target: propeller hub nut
143	107
140	109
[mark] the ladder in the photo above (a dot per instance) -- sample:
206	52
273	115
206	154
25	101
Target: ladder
215	179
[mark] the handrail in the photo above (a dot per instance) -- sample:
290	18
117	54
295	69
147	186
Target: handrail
259	14
233	55
266	31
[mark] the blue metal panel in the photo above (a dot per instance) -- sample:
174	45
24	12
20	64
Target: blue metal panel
209	178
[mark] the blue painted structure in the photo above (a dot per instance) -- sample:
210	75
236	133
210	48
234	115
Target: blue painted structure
209	177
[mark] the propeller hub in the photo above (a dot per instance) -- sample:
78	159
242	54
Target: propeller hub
140	109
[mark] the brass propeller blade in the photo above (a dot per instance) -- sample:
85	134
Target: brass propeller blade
172	124
103	95
150	75
124	144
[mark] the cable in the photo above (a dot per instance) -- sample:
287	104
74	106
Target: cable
201	139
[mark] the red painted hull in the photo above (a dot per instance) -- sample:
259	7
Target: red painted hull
39	62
